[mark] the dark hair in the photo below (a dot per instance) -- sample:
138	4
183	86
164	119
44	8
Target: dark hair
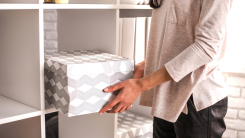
154	3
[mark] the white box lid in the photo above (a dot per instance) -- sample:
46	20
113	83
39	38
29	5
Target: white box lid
79	62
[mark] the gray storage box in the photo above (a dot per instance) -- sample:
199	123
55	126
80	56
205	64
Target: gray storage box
74	80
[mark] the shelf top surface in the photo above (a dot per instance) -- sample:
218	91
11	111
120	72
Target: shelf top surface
71	6
10	108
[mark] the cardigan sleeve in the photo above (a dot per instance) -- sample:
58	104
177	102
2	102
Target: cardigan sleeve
209	33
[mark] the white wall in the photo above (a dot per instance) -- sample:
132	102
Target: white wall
235	117
50	31
234	57
235	65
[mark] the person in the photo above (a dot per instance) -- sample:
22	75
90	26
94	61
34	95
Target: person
180	77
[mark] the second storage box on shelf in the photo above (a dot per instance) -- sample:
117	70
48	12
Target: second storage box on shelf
74	80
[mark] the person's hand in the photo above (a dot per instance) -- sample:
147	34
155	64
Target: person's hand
130	90
139	70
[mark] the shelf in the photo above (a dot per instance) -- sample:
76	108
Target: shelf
93	6
71	6
18	6
11	111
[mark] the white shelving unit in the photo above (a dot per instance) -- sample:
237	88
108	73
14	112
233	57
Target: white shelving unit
83	24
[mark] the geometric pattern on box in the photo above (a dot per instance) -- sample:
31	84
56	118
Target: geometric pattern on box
80	94
83	95
147	135
77	63
56	91
131	125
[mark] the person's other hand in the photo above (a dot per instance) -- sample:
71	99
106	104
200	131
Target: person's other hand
130	90
139	70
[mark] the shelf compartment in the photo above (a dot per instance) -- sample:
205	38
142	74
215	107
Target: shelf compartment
102	126
71	6
19	56
9	108
27	128
12	110
78	31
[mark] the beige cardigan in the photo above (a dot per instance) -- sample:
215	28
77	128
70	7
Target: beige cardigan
188	37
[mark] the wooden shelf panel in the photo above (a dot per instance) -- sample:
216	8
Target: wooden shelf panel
11	111
71	6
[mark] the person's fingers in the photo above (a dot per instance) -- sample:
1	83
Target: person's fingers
110	105
114	87
138	73
123	108
128	107
116	109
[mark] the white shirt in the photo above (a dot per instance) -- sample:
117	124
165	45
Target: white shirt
188	37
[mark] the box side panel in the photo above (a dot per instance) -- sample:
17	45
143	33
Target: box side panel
110	66
56	91
123	66
120	77
55	67
86	95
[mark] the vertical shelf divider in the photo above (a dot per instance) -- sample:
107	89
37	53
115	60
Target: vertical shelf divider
118	49
41	60
118	52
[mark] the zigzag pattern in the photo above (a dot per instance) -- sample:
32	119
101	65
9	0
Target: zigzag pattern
132	125
85	79
121	76
86	95
57	104
50	65
55	91
86	106
106	78
66	62
101	99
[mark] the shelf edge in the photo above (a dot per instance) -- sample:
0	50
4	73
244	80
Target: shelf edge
26	116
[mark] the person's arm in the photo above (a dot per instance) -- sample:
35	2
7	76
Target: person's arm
132	88
209	33
158	77
139	70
